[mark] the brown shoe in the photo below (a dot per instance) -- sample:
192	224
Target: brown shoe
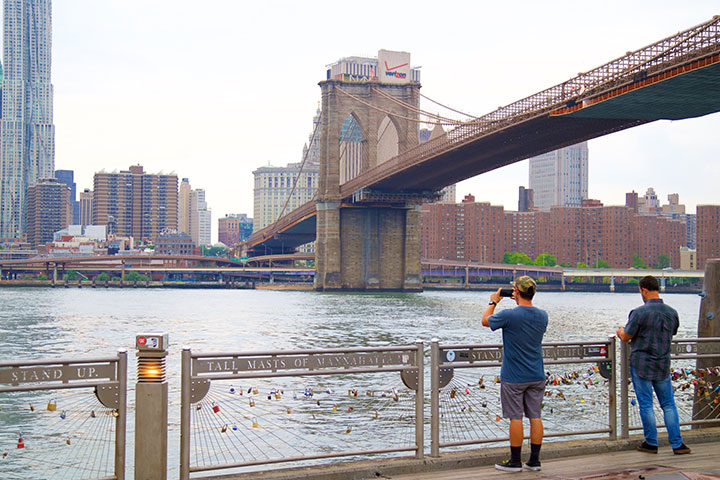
682	450
647	448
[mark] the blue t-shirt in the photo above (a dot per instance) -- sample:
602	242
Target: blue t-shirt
522	330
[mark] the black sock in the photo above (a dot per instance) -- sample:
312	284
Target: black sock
535	452
515	454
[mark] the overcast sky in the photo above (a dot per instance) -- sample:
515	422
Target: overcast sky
213	90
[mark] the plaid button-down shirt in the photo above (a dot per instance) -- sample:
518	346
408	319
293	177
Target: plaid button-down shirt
652	327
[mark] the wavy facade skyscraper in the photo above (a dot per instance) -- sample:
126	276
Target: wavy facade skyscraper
27	151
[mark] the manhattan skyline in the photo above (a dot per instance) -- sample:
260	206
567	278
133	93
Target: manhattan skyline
214	94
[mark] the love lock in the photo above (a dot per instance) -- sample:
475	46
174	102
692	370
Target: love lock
52	405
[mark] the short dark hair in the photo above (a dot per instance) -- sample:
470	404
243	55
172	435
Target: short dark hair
527	295
649	283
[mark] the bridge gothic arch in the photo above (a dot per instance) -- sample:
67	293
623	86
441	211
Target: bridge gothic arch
387	140
351	149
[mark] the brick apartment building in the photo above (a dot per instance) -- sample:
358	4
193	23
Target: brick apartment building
142	204
463	231
481	232
708	233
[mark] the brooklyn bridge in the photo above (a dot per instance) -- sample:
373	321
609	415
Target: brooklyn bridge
366	225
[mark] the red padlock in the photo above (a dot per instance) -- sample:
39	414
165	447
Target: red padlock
215	408
20	443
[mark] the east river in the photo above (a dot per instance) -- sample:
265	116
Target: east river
39	322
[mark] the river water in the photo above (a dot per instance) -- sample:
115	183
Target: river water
39	322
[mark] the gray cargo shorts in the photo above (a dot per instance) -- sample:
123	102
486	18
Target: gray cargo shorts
517	398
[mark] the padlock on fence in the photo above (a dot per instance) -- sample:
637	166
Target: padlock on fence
52	405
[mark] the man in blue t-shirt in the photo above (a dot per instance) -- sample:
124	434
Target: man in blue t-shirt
522	376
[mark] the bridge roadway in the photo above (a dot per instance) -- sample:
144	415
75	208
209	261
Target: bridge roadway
675	78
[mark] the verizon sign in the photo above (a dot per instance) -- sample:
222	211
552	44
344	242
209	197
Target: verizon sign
393	67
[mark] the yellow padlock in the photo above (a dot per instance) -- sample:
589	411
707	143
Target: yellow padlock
52	405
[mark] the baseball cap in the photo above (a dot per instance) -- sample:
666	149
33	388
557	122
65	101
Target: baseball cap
524	284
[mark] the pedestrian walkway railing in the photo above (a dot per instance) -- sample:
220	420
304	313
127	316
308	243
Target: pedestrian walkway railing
465	392
63	418
251	409
695	365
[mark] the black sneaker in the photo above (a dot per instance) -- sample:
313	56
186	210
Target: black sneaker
682	450
647	448
509	466
534	466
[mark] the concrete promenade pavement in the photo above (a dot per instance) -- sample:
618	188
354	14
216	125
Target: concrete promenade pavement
596	459
703	463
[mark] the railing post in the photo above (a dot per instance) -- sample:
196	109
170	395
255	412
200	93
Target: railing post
185	383
434	398
151	407
420	401
121	421
613	388
624	402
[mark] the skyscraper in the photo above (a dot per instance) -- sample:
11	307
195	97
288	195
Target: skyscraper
560	178
28	133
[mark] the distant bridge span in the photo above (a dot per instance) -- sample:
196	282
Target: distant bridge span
675	78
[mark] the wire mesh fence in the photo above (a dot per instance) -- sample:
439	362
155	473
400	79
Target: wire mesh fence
63	419
326	404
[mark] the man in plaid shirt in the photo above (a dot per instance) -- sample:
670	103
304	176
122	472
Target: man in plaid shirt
651	328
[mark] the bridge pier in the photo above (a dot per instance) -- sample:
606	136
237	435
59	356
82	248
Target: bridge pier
663	282
612	284
368	247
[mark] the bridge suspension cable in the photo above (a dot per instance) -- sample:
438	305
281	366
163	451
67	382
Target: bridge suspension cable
448	108
409	106
396	115
297	178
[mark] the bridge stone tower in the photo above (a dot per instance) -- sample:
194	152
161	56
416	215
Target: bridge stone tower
369	240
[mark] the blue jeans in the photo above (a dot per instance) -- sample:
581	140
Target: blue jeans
665	395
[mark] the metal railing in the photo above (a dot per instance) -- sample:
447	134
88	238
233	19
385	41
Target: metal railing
246	409
465	406
66	433
697	387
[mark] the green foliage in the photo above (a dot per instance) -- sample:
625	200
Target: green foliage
545	260
213	251
601	264
516	258
41	276
663	261
71	275
135	277
103	277
637	263
633	281
115	279
581	265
